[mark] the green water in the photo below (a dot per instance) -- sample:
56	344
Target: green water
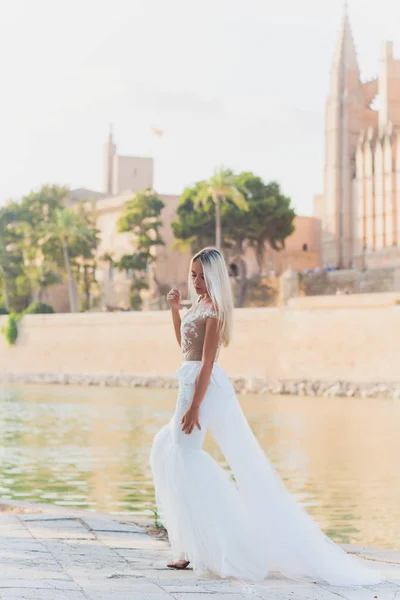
89	447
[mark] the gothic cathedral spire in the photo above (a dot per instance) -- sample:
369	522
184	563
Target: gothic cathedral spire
345	56
344	110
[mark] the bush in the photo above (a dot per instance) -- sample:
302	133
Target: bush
3	311
11	330
38	308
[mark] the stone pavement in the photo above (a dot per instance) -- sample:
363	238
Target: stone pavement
48	553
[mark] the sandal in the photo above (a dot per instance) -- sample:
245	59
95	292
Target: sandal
179	564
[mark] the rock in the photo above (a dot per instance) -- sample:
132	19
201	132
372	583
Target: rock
293	388
302	388
278	388
254	385
241	385
351	390
333	390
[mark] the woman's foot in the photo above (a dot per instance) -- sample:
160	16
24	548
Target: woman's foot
179	564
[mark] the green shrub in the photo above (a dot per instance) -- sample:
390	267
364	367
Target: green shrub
3	311
37	308
11	330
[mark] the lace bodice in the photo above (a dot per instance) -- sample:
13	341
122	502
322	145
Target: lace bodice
193	329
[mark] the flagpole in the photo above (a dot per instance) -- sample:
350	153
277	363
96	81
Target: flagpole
156	132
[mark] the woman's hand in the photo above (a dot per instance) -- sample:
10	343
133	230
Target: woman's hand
190	420
174	298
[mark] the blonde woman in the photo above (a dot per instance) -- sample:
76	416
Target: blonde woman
233	528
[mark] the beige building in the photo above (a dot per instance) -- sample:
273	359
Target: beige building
126	175
171	266
360	208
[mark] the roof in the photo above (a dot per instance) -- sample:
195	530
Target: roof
85	194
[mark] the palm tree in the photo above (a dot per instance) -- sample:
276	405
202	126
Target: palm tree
69	226
220	188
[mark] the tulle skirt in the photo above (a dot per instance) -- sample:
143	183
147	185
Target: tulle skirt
244	525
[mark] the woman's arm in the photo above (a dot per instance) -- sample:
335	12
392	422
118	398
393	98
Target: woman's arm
176	319
174	300
211	341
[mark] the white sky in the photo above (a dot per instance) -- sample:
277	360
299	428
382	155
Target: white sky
239	83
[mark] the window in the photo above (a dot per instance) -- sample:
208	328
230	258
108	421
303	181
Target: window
305	247
233	270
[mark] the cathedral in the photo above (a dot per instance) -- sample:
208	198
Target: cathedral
360	207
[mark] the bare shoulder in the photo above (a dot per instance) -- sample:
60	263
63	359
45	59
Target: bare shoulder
210	310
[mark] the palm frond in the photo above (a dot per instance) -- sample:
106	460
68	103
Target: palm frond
204	194
237	198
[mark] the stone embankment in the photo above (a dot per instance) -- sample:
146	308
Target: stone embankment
52	553
241	385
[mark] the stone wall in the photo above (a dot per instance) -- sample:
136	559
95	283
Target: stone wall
319	346
353	280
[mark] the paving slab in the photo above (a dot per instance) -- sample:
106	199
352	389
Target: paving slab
98	524
32	594
80	555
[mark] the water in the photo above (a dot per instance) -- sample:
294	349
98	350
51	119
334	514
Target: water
89	447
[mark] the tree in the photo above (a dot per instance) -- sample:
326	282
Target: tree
136	267
36	214
5	270
268	218
32	253
46	276
194	229
84	249
11	259
268	221
141	218
30	220
219	188
69	229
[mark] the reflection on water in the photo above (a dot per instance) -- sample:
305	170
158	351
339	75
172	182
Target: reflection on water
89	447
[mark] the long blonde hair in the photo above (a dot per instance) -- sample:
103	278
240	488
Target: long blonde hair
218	288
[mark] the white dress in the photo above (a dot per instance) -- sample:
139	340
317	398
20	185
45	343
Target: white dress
244	526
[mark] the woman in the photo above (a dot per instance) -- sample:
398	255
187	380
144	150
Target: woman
241	528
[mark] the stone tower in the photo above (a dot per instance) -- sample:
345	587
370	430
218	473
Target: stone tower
124	174
343	121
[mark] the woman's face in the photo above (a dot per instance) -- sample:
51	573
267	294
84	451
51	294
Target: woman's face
198	278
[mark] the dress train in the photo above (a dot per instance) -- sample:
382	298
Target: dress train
245	527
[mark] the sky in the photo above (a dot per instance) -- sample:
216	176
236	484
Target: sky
234	83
